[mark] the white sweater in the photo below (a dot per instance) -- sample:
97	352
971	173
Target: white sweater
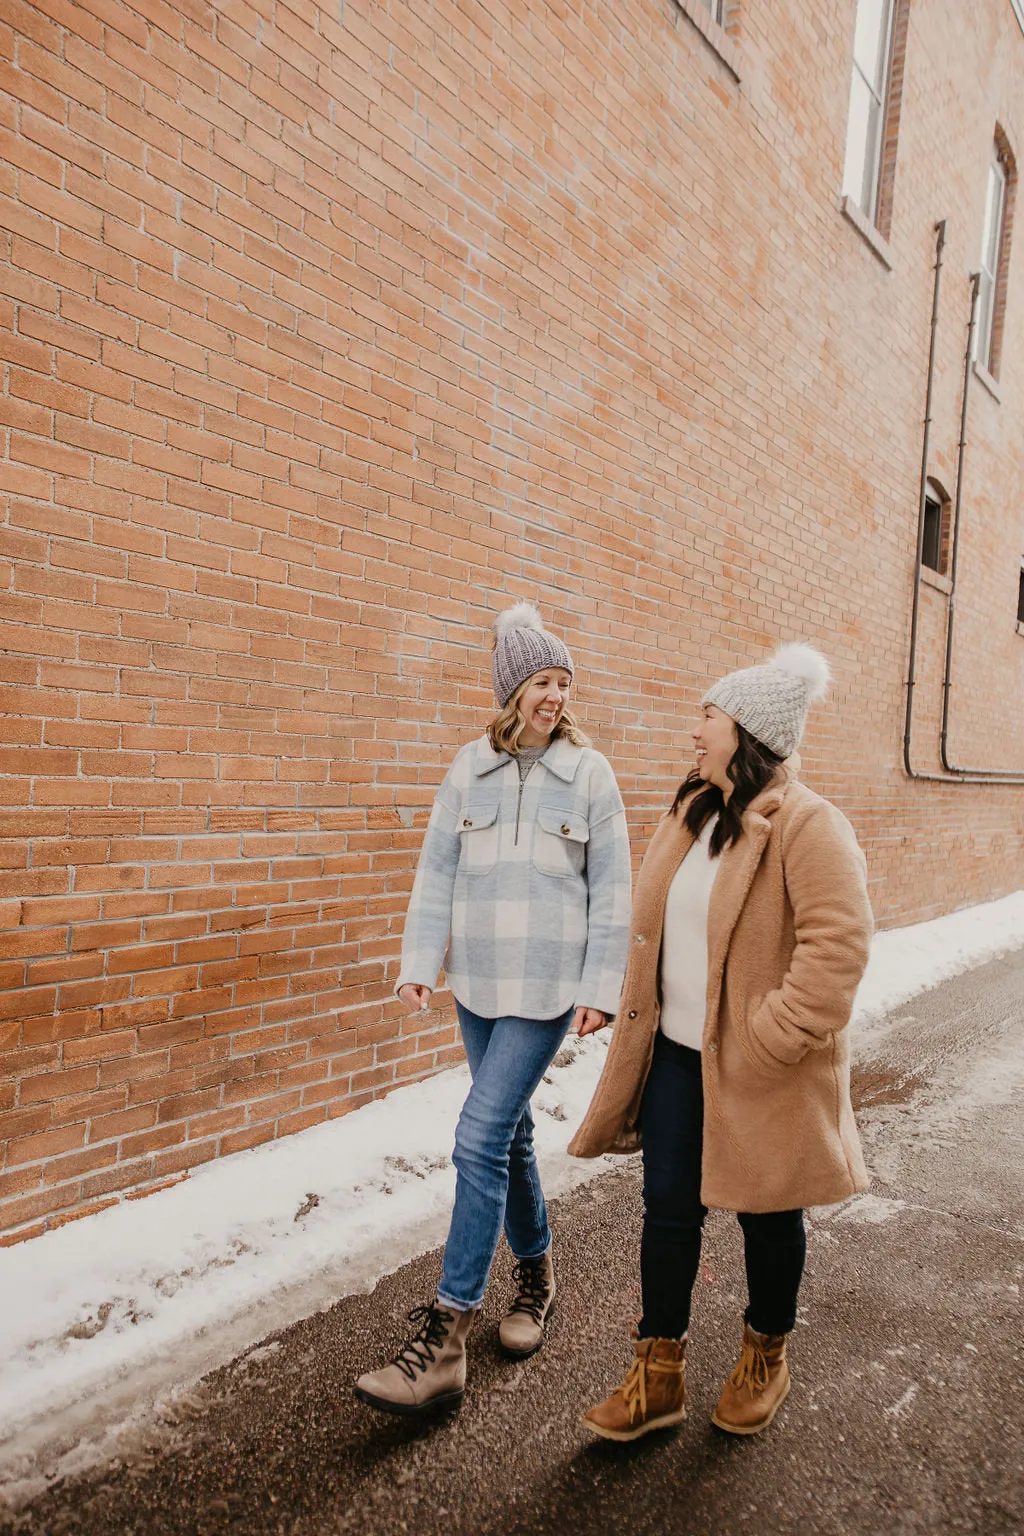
684	945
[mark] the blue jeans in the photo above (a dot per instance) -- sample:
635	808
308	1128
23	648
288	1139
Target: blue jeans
671	1130
497	1180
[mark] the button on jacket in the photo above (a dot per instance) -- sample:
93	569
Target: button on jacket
526	885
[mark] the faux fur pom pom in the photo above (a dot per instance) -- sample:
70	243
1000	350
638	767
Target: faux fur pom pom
804	661
522	616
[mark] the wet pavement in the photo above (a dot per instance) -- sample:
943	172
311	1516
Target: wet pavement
908	1363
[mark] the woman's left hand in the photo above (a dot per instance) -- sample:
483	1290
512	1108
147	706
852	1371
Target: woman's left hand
586	1021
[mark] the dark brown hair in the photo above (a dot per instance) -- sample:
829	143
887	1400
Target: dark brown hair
752	767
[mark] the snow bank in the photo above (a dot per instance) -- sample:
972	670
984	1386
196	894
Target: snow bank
347	1201
906	961
93	1303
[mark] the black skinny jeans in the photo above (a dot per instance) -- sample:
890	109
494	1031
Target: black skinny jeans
671	1121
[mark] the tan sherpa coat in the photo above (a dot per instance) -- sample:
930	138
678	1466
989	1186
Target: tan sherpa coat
789	927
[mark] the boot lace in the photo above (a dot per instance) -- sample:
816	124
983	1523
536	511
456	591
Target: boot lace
752	1369
634	1389
532	1294
431	1335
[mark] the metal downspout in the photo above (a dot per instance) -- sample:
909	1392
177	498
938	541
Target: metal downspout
964	774
940	240
953	774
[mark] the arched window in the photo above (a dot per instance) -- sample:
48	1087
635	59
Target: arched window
876	91
935	545
995	251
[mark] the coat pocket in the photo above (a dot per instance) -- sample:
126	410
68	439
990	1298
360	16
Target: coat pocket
479	837
560	842
757	1055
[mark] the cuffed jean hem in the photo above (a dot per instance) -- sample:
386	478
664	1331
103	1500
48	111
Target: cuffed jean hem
459	1306
531	1258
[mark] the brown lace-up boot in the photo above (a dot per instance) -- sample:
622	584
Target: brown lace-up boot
521	1330
651	1397
430	1372
757	1387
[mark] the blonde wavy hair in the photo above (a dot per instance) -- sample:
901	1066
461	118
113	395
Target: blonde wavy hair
508	725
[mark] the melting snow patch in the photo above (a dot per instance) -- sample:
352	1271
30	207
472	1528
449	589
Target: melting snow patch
871	1210
899	1409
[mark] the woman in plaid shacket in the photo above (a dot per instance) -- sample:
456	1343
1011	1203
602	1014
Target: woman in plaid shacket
522	891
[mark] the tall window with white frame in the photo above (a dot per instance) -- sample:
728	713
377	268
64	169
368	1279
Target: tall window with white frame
717	9
991	260
869	90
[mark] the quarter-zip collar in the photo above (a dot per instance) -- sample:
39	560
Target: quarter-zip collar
486	759
561	758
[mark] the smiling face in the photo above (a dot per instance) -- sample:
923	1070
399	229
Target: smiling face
715	739
542	703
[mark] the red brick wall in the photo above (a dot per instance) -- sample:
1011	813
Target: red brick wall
328	329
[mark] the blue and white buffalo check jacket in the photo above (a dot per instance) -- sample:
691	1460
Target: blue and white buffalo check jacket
526	887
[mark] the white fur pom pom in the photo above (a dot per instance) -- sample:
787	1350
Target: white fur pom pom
804	661
522	616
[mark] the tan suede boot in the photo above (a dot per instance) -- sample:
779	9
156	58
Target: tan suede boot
651	1397
430	1372
521	1330
757	1387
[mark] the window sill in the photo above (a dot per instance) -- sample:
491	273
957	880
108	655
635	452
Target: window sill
867	232
930	578
983	376
716	37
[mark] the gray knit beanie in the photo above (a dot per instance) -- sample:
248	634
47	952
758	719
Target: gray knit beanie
522	646
771	701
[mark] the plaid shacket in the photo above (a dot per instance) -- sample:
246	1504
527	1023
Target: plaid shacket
527	887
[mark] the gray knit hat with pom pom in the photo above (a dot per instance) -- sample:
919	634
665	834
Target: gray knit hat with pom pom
771	701
522	646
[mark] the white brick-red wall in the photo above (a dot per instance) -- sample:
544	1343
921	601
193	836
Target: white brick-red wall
328	329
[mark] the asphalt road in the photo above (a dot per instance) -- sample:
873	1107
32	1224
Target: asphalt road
908	1365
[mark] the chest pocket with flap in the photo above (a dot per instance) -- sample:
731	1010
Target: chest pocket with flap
560	842
479	835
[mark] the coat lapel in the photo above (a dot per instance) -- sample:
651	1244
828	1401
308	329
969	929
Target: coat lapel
670	844
728	894
611	1118
734	879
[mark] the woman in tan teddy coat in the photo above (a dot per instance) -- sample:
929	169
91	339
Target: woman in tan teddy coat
730	1059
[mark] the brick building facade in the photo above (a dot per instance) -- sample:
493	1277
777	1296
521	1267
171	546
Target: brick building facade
328	327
